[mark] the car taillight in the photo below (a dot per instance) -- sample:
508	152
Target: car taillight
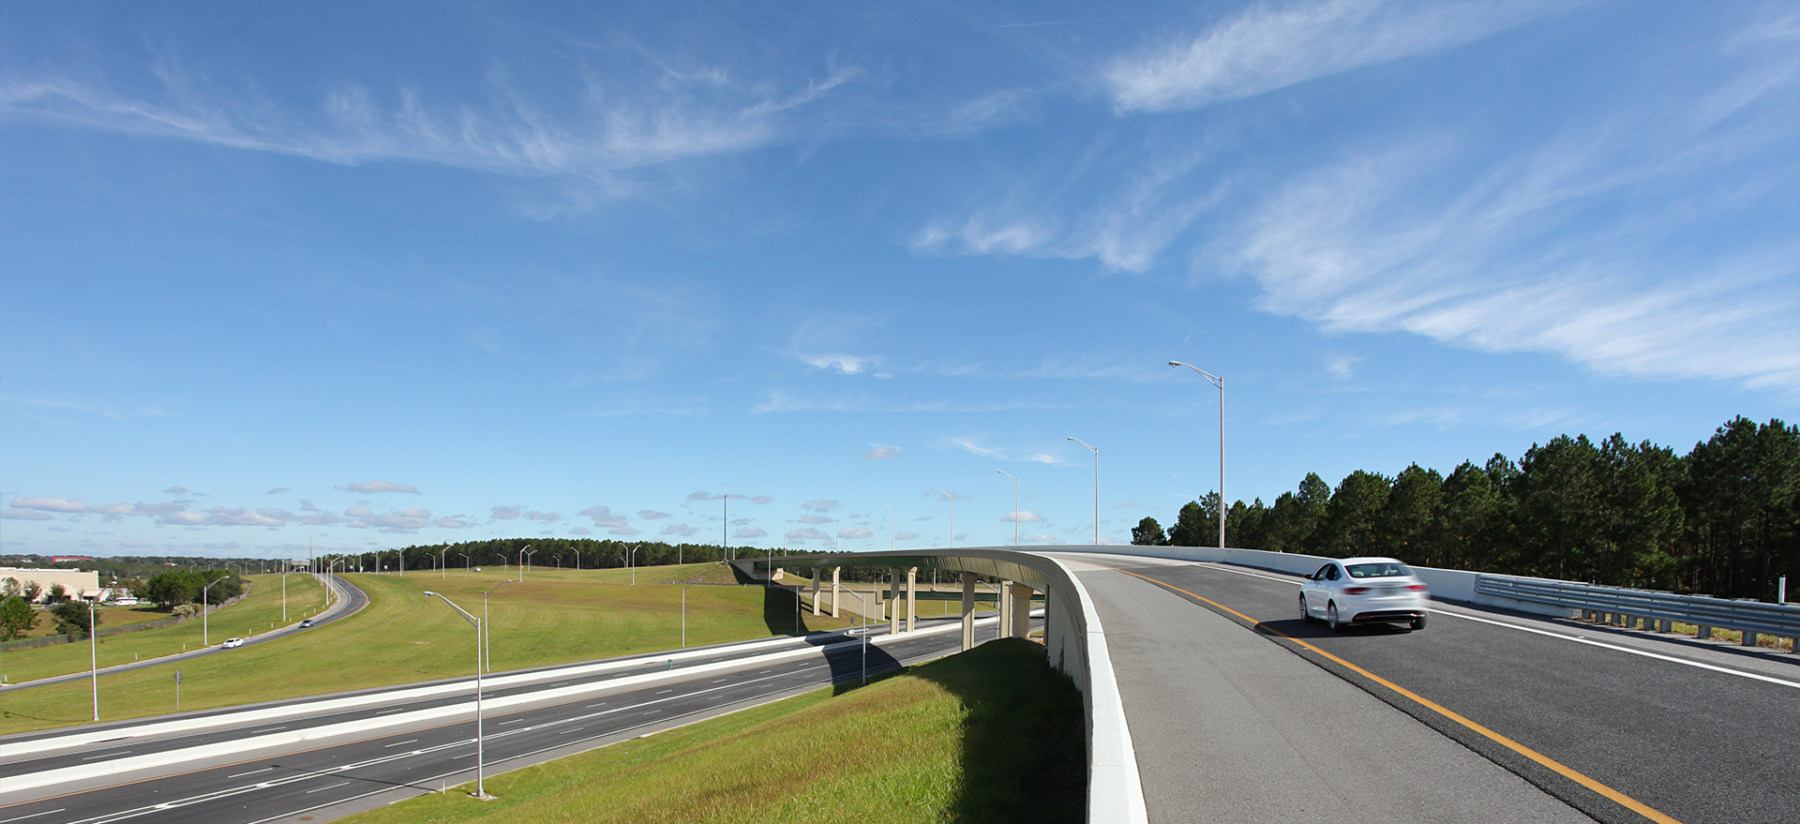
1355	590
1419	588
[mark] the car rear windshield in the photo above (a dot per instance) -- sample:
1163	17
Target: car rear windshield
1385	569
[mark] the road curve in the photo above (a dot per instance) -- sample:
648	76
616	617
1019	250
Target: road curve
1241	711
350	601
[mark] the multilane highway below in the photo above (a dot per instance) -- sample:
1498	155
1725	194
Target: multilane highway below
561	711
1240	711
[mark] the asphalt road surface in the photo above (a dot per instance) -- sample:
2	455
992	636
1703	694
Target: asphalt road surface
1241	711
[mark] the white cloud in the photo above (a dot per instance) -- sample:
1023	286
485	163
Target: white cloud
761	499
1270	46
581	530
1024	516
182	519
278	490
747	534
453	522
622	530
905	536
879	452
820	506
369	487
1041	538
361	517
815	519
546	517
178	490
605	517
856	532
975	448
807	534
682	530
844	364
25	515
222	516
49	504
653	515
507	513
700	496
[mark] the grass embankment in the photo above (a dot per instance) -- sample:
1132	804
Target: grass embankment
257	613
109	617
403	636
992	734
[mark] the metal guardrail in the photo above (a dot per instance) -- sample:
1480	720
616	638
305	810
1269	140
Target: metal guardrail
1750	617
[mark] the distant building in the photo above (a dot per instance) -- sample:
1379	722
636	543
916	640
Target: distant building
77	583
63	559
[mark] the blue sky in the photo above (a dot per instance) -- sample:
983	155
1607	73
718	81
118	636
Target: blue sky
412	272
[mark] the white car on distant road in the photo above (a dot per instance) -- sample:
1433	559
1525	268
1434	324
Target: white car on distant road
232	643
1364	591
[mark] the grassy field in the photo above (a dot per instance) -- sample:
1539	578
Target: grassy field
403	636
109	617
257	613
988	735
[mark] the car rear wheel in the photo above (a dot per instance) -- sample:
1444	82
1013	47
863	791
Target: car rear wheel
1331	617
1418	623
1304	615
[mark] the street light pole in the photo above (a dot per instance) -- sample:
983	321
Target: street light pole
952	516
1219	382
443	557
487	650
1096	451
205	634
1015	504
94	658
631	561
525	555
480	755
893	520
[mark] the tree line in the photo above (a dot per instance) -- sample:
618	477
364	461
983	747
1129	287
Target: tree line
1723	519
583	553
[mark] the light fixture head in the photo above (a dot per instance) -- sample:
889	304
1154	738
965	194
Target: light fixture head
1174	363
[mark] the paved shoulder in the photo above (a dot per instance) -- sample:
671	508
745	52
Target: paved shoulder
1229	727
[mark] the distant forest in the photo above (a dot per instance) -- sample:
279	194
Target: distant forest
1723	520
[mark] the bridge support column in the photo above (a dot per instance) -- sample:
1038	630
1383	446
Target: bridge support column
912	594
968	611
1005	603
1021	610
815	593
837	591
893	596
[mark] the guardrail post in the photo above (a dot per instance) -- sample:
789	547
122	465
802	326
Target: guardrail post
1750	638
1703	633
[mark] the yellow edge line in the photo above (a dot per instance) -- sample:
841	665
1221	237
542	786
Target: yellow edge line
1622	799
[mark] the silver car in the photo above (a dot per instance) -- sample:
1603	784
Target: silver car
1364	591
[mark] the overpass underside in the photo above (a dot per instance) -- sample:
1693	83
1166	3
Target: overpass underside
1018	581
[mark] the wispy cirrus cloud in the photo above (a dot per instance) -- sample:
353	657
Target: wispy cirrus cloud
1272	45
878	452
371	487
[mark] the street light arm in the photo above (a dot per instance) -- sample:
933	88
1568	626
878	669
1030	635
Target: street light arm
1215	379
474	621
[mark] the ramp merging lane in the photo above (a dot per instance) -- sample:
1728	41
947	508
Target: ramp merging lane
406	741
1241	711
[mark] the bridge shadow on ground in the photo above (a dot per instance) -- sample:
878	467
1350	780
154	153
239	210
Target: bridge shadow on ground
1024	754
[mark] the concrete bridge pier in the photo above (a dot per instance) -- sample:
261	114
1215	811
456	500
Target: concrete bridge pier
893	595
1021	611
912	595
815	596
968	611
1006	609
836	591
